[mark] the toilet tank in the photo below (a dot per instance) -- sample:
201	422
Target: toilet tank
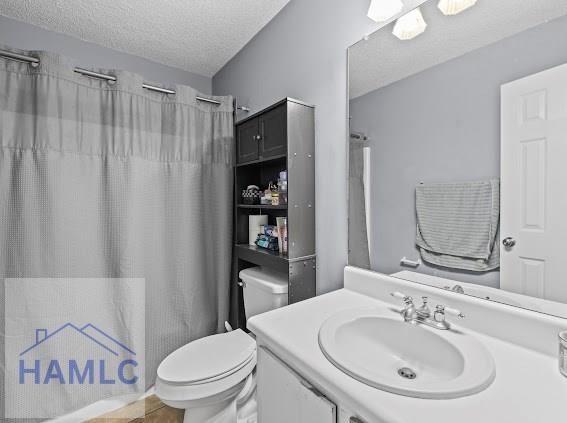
264	290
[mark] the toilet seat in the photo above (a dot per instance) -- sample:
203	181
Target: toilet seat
207	359
206	367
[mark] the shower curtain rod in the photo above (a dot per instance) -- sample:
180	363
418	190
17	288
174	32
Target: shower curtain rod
34	62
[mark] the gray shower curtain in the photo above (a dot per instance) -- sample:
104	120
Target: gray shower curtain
102	180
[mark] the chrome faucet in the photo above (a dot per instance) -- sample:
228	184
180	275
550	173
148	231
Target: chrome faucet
422	315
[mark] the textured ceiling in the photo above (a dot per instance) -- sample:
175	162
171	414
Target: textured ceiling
384	59
198	36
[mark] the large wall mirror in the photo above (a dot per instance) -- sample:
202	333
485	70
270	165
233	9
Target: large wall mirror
458	150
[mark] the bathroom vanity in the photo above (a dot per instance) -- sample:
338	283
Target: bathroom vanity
297	382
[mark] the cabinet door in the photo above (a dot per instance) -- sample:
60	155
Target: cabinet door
284	397
247	138
273	130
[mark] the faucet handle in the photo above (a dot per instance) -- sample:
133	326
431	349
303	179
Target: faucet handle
440	311
401	296
439	316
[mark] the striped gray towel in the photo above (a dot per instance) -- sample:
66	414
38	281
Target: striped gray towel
458	224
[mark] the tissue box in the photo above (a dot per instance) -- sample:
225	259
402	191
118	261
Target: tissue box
267	242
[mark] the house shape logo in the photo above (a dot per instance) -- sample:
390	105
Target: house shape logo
74	370
89	330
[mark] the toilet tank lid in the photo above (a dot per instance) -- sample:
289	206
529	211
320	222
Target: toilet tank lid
265	279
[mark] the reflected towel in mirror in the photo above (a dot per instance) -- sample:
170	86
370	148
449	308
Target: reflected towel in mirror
458	224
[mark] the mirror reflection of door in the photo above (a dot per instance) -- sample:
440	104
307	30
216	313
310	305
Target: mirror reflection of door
534	175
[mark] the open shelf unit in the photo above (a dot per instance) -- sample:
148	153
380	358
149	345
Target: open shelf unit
262	257
280	137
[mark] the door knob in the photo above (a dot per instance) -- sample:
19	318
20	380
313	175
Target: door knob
508	242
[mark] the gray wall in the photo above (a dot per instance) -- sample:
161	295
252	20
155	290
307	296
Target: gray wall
28	37
302	54
442	125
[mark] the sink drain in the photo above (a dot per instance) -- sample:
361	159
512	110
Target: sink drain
407	373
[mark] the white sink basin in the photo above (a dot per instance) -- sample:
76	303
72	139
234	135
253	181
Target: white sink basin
406	359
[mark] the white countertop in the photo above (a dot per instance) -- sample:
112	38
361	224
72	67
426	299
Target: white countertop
528	387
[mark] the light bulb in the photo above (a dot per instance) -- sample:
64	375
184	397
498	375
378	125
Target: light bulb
410	25
382	10
452	7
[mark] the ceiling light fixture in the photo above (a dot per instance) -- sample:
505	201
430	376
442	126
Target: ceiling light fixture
382	10
453	7
410	25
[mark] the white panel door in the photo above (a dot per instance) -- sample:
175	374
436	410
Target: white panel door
534	185
284	397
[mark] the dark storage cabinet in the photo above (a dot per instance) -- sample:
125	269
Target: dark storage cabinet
281	137
263	136
247	137
273	132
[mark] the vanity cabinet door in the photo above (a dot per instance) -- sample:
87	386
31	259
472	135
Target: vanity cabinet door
247	139
273	130
284	396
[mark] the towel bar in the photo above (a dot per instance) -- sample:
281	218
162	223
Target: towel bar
409	263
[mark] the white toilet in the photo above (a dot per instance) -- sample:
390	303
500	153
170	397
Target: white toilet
213	378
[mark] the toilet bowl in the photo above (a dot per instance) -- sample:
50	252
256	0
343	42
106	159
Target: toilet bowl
213	378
